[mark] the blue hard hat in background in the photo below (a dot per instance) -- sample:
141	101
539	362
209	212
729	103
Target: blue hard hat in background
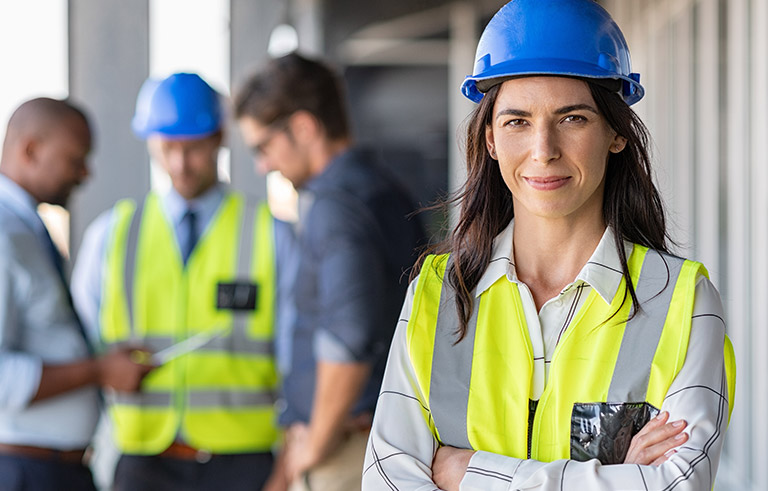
182	105
575	38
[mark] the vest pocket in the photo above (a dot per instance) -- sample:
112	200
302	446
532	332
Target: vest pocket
603	431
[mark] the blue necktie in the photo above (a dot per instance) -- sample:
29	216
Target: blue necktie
58	262
188	234
53	251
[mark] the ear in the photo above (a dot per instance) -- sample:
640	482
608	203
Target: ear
28	150
619	143
153	147
490	142
219	138
304	127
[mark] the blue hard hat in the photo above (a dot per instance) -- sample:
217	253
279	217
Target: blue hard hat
182	105
574	38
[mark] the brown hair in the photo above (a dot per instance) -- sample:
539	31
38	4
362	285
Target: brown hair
294	83
632	205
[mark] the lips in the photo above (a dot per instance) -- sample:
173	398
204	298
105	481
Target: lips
547	183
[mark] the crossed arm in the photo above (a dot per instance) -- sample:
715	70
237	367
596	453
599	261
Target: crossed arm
401	451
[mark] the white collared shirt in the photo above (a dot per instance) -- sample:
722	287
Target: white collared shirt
401	447
545	327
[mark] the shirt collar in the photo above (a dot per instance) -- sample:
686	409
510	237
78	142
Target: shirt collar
603	270
501	260
205	205
20	201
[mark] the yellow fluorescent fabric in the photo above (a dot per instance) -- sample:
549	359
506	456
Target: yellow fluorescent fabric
582	366
421	327
502	358
172	301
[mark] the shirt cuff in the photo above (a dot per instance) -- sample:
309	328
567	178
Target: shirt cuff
330	349
20	376
489	472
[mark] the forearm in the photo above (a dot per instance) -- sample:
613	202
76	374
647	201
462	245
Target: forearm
698	395
338	387
401	446
116	369
59	379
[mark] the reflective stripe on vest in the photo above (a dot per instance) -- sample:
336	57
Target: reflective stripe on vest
601	357
643	331
219	397
201	399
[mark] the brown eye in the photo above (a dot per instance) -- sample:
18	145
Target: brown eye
574	118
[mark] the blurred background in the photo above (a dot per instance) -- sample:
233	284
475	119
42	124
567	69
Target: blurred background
704	64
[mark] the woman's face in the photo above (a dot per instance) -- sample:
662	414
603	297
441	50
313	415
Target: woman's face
552	146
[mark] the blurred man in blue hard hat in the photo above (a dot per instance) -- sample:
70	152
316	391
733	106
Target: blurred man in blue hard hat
190	274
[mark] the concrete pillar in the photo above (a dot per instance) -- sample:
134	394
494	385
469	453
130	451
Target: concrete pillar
108	61
252	23
463	42
307	17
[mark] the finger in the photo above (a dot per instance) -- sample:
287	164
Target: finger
658	434
664	458
679	440
656	422
642	450
662	450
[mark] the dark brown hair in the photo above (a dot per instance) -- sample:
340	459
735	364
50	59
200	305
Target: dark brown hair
294	83
632	205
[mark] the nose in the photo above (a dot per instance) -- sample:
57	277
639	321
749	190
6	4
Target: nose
545	145
177	160
263	164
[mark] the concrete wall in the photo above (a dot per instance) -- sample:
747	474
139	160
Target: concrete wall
704	65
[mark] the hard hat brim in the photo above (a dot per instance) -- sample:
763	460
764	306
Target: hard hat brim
631	90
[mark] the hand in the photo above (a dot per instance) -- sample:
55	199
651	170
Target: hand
121	369
299	454
278	479
449	466
655	443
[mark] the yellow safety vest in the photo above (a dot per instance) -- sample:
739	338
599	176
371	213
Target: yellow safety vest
608	375
220	397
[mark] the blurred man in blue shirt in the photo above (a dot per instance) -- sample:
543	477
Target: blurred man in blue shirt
354	242
49	403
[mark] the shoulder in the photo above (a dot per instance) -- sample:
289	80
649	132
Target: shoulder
707	295
360	175
11	226
429	281
104	224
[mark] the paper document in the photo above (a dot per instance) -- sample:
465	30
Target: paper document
190	344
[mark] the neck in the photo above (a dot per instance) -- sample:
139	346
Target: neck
549	253
325	153
11	173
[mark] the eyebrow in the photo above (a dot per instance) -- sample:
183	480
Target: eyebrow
576	107
562	110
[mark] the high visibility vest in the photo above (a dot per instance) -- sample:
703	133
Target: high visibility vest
608	376
219	397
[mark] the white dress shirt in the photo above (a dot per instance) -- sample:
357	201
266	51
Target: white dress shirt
37	327
401	446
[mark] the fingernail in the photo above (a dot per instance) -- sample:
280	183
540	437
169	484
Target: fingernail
678	423
671	451
681	436
661	415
